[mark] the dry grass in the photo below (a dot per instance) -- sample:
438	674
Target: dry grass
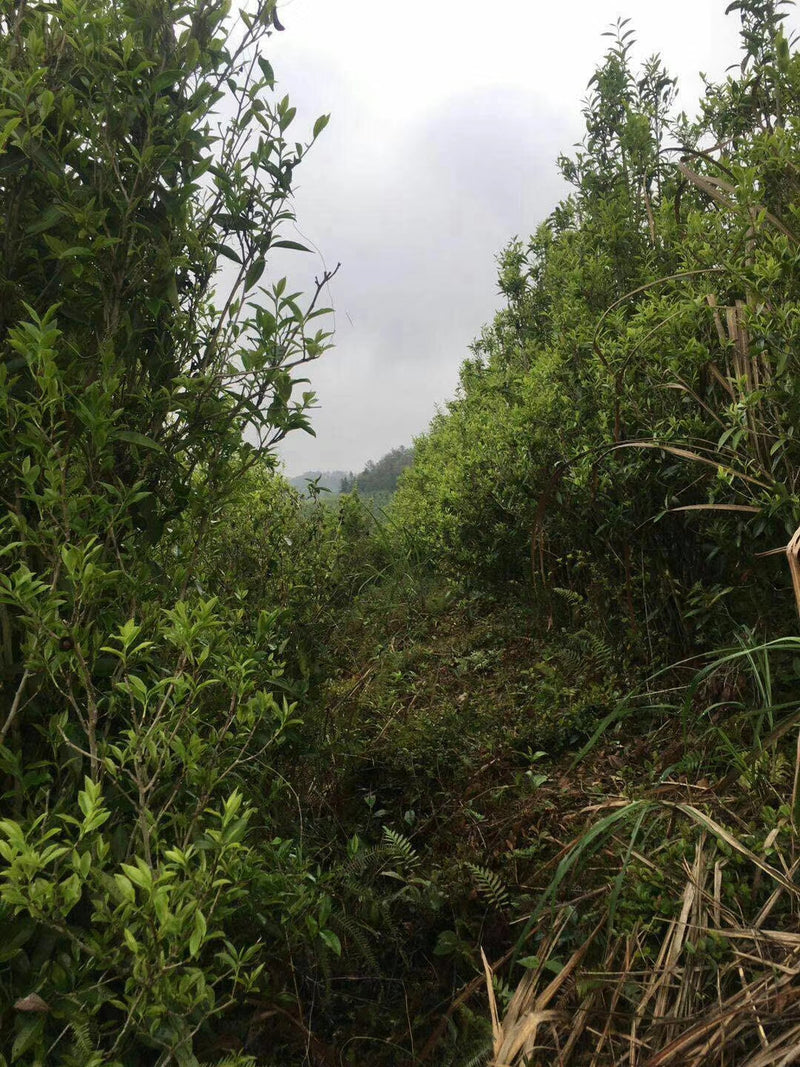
671	1000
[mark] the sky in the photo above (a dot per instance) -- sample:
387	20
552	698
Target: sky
446	121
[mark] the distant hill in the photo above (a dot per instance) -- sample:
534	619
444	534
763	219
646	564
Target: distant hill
330	480
380	476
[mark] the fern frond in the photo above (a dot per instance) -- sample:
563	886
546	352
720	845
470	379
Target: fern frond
480	1056
490	885
356	933
400	847
365	858
601	652
569	596
82	1037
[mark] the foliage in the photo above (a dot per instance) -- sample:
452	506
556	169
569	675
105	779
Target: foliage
142	147
282	781
650	314
307	560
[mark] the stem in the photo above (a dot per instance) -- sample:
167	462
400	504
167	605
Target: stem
16	705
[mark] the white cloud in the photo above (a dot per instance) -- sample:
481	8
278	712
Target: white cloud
447	117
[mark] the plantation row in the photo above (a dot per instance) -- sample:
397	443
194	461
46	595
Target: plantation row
505	774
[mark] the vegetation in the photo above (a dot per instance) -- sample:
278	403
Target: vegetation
509	777
329	481
138	711
380	476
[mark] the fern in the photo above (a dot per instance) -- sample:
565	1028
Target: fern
490	885
82	1036
400	847
359	865
479	1056
370	884
572	660
358	935
600	652
470	1042
587	651
569	596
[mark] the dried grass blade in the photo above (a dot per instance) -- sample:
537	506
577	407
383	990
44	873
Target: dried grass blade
793	556
496	1031
778	937
677	937
695	457
769	1057
710	186
715	187
550	990
522	1037
711	300
762	1034
682	1044
681	388
750	508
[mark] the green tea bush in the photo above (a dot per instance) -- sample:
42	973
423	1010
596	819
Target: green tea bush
141	147
308	560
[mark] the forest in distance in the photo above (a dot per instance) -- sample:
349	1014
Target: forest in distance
500	768
378	480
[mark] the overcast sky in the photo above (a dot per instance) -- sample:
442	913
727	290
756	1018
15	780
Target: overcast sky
446	120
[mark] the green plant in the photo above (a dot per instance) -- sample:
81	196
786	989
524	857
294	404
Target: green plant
138	383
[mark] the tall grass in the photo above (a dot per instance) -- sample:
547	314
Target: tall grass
672	917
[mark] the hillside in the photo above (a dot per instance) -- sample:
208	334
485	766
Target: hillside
382	475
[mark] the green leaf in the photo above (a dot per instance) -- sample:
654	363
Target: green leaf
8	129
48	219
29	1033
198	934
228	253
46	101
140	875
166	80
161	905
320	124
267	71
75	252
330	939
254	272
447	943
125	886
40	155
133	437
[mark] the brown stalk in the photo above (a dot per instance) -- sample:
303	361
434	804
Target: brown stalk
685	453
793	557
528	1010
